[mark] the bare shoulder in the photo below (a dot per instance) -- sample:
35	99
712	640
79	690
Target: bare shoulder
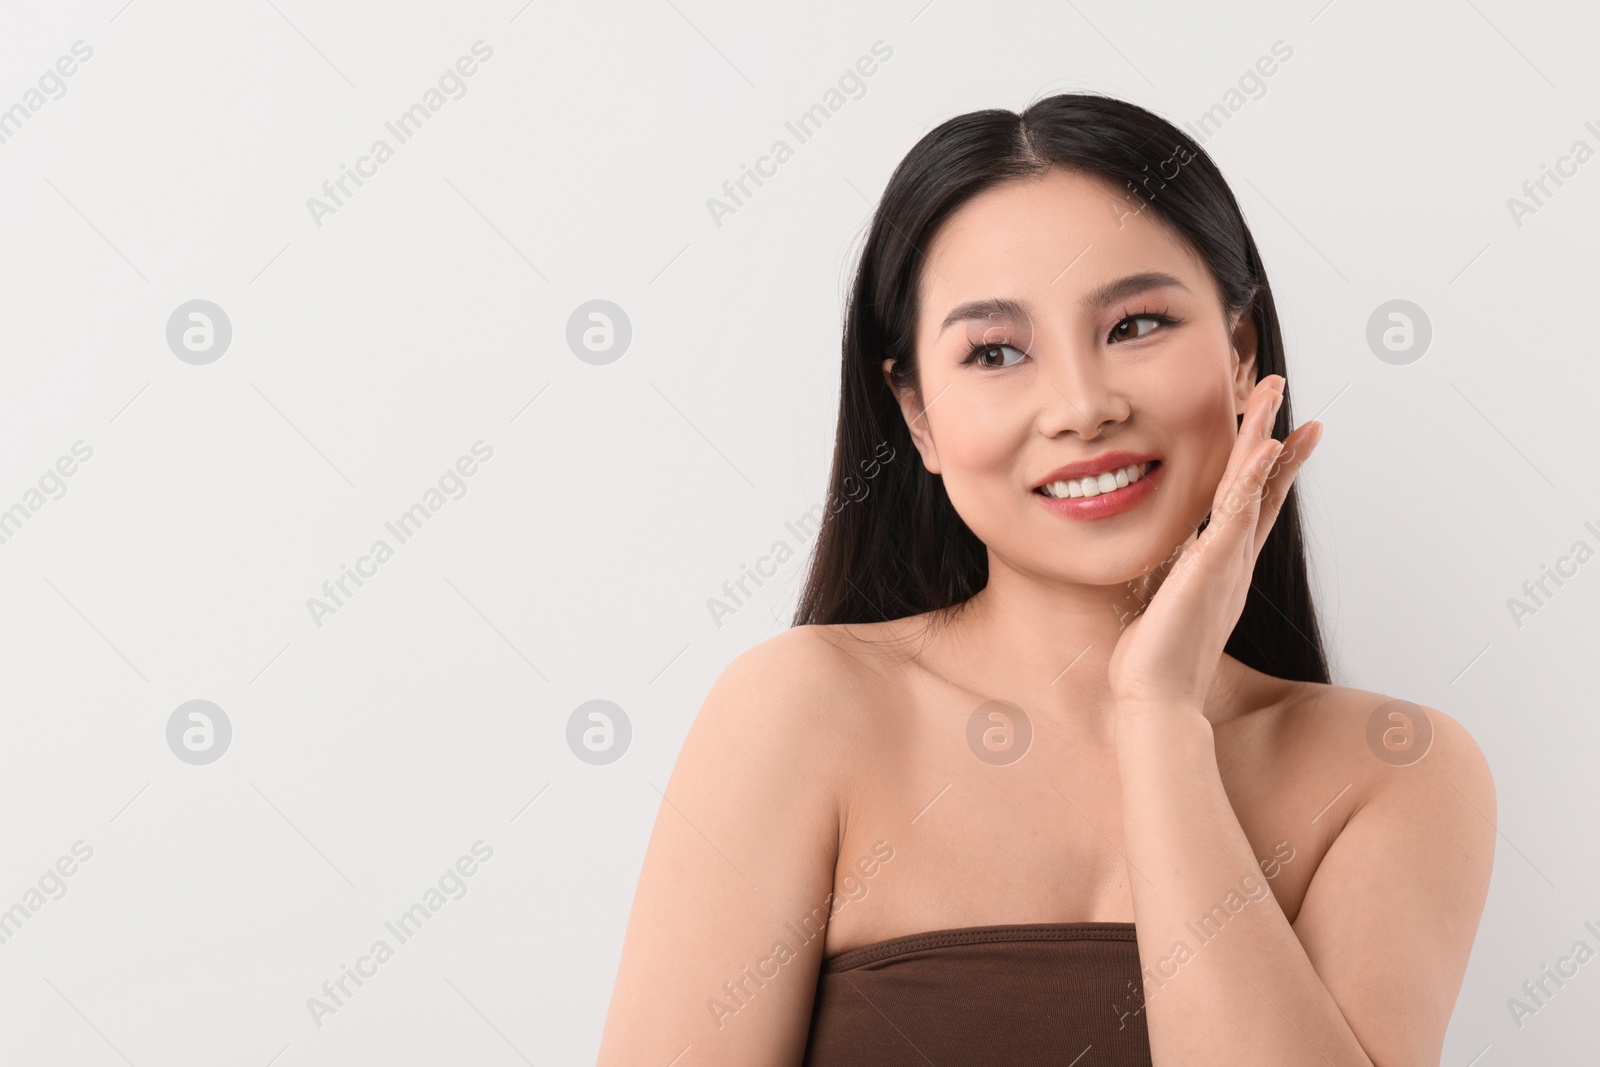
745	844
806	647
812	667
1394	901
798	692
1389	744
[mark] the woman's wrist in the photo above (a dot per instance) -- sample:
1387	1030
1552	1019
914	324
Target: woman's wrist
1161	710
1143	724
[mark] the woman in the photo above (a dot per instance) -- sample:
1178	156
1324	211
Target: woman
1049	769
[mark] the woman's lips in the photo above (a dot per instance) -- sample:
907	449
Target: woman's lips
1107	504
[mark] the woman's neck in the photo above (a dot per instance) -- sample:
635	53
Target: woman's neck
1047	647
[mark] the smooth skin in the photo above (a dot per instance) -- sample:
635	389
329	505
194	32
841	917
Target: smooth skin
1163	774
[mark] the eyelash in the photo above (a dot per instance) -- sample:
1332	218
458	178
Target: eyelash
1161	317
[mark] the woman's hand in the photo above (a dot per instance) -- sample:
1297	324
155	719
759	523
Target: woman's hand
1166	657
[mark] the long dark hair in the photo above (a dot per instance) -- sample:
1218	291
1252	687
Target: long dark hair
901	549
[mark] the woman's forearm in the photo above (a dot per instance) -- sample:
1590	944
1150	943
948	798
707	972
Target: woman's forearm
1226	981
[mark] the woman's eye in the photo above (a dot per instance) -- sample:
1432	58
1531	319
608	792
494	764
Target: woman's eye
982	354
1119	332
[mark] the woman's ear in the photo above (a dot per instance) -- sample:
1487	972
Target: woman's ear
916	419
1245	340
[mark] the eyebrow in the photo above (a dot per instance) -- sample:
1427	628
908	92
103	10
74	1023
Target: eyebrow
1097	298
993	308
1134	284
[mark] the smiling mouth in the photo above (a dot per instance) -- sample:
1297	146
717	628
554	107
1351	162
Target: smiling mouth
1098	484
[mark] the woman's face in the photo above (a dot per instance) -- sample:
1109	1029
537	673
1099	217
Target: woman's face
1060	323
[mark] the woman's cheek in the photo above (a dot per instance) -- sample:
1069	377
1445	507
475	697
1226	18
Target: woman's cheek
981	478
983	444
1210	441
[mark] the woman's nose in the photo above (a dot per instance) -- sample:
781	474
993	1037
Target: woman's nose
1076	394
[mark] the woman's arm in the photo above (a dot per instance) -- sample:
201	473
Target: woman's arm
1369	973
723	945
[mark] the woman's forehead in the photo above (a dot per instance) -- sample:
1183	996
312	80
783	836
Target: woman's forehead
1052	238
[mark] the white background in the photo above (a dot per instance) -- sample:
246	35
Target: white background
371	351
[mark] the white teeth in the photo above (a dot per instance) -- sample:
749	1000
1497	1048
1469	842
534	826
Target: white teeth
1094	485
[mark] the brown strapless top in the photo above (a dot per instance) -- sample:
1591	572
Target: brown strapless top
1017	995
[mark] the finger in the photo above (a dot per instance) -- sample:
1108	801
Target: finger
1248	435
1227	542
1297	448
1257	479
1233	517
1259	413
